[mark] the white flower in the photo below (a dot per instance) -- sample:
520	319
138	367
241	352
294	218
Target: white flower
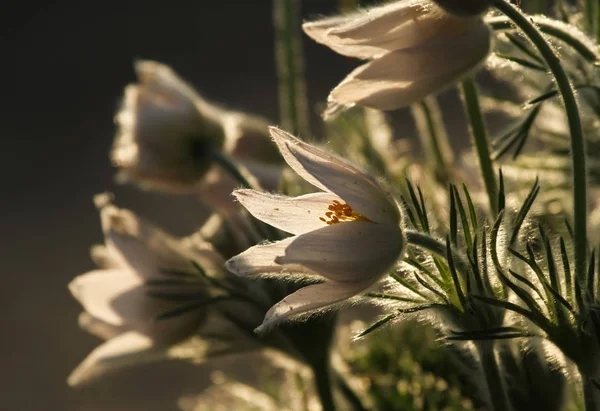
121	298
349	234
167	133
415	49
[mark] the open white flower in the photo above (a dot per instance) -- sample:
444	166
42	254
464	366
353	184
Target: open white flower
349	234
416	49
167	134
132	287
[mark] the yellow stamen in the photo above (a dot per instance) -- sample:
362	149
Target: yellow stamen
341	213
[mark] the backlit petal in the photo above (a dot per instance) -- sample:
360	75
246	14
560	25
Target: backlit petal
296	215
347	252
310	298
332	174
126	349
145	248
97	290
403	77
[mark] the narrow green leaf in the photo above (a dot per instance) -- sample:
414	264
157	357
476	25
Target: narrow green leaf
377	324
525	49
524	211
463	217
408	285
431	288
474	222
386	296
566	269
501	194
455	279
453	219
522	62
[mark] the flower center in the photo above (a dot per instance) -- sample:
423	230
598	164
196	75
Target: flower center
341	213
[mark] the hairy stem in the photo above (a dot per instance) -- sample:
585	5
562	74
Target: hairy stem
479	132
493	376
290	67
578	150
434	138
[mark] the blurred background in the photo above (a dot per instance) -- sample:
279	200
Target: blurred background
65	65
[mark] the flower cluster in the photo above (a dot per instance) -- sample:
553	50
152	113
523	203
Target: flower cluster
298	235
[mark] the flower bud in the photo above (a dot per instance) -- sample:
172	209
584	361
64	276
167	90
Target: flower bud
463	8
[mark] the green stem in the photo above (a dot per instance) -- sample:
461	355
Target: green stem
234	170
478	130
322	374
434	138
592	13
289	63
493	376
578	150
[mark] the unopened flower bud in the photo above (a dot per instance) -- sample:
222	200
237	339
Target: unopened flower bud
463	8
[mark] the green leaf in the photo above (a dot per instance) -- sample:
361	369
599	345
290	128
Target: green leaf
377	324
520	217
474	222
455	279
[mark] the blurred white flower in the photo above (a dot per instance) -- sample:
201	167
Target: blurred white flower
349	234
167	133
415	49
135	284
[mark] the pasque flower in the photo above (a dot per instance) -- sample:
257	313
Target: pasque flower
348	234
415	48
167	134
133	286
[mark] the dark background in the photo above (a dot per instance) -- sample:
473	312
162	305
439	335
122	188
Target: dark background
64	65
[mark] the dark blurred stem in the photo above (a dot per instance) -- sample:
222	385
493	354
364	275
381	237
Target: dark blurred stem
480	138
493	376
591	394
578	150
322	373
290	66
349	393
434	138
233	169
592	13
246	180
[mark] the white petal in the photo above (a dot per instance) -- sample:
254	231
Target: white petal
143	247
120	299
332	174
124	350
97	290
98	327
369	33
404	77
347	252
104	257
310	298
296	215
259	259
